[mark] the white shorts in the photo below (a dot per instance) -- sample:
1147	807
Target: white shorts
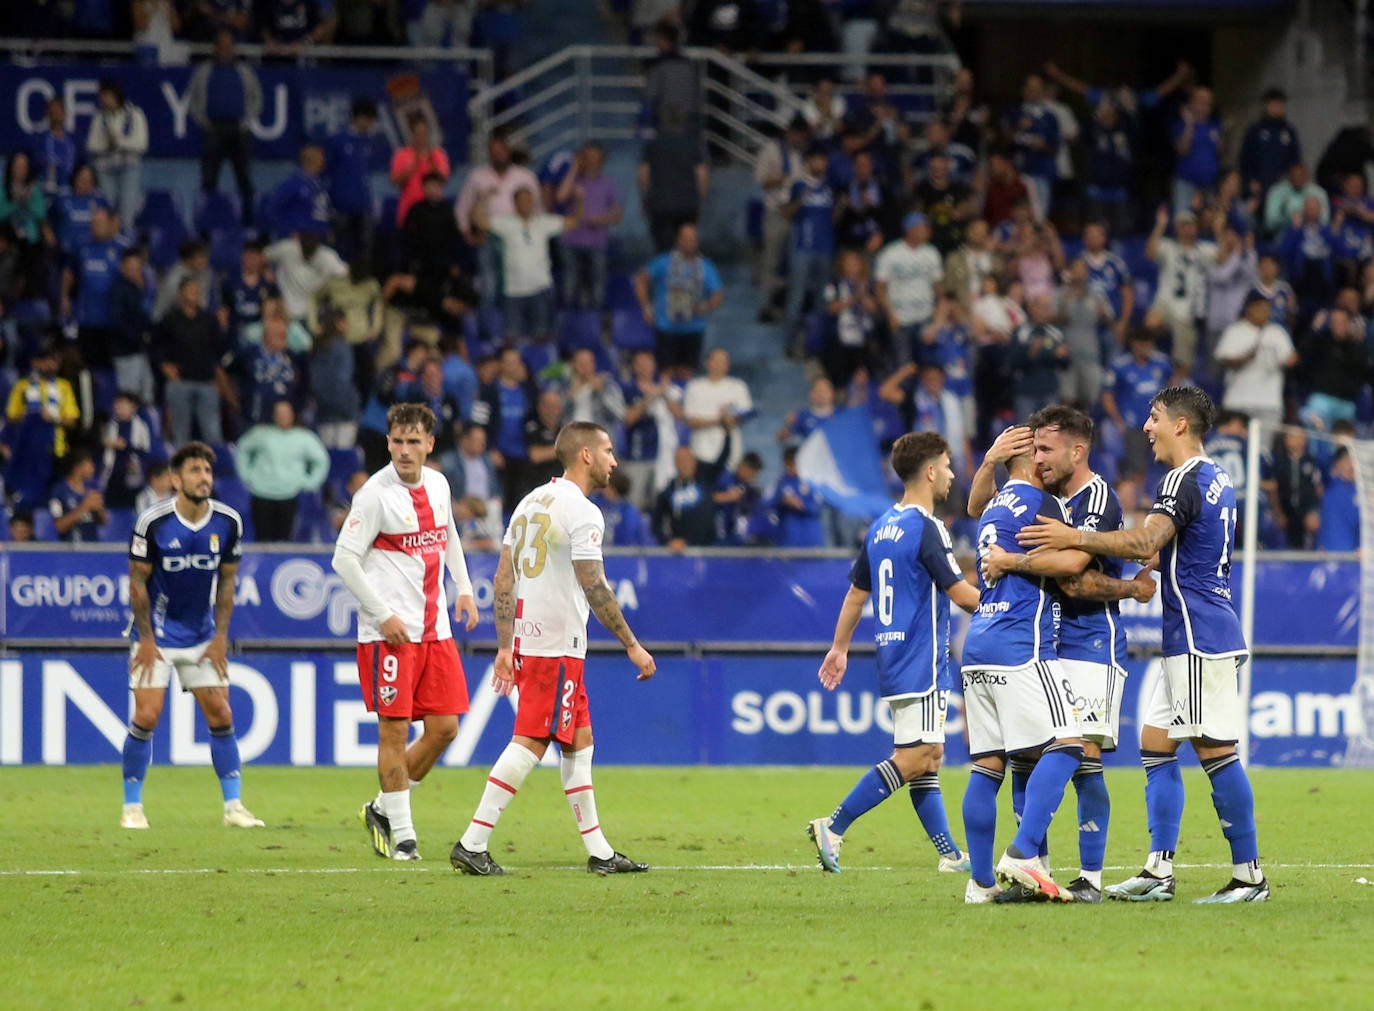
1197	696
1097	689
191	672
1017	709
919	720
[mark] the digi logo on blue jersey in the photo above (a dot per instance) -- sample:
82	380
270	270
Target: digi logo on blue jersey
186	559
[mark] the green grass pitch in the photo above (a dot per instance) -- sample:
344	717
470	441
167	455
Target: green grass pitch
735	913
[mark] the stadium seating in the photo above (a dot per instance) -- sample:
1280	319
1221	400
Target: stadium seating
164	225
119	524
217	211
629	332
226	248
579	328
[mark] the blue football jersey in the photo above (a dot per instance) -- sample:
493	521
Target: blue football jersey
186	560
1015	621
1091	629
907	562
1199	617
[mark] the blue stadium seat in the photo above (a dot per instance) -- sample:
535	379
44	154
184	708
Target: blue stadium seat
343	462
620	292
103	390
215	211
629	332
386	216
579	328
491	321
263	217
231	492
312	520
161	209
815	333
118	526
226	248
753	219
162	221
538	357
44	529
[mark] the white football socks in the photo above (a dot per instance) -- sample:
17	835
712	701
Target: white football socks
507	776
396	807
576	769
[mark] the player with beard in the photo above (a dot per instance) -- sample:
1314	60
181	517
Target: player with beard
908	555
550	574
1092	643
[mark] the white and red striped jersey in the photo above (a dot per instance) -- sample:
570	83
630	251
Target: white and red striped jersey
402	534
552	527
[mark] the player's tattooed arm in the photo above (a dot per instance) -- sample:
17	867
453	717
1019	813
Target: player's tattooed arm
139	601
504	603
1094	584
224	596
591	574
1141	543
145	657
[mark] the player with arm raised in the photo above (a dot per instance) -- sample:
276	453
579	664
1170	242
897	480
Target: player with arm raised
1192	527
183	560
549	576
391	553
908	556
1092	643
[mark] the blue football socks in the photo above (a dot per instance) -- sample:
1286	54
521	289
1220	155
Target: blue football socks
873	787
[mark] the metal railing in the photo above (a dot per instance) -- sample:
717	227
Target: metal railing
586	93
595	93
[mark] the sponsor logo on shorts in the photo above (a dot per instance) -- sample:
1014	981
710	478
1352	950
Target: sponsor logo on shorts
982	677
387	694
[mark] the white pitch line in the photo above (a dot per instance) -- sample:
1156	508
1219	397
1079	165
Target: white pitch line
73	872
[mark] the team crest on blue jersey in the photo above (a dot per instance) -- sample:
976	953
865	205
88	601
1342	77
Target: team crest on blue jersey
214	544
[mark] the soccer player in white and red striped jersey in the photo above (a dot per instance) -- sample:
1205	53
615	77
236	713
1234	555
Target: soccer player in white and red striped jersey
549	576
392	551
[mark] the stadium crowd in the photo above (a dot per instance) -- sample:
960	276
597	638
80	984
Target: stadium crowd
950	269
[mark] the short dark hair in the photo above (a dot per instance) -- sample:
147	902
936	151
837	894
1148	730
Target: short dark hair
572	437
1274	95
751	459
621	483
1226	416
1069	420
131	253
21	516
410	416
416	118
192	451
914	450
113	87
363	107
157	469
190	248
1190	403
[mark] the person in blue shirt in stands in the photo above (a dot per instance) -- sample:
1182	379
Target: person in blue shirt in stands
183	563
1340	511
1197	138
350	154
71	211
1192	528
813	209
55	153
300	203
92	274
626	526
245	291
224	97
1034	130
77	503
907	565
799	506
1130	383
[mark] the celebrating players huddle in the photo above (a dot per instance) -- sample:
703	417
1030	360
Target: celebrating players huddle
1043	697
1042	672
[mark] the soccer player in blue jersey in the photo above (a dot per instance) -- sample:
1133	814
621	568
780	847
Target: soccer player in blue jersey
1192	526
1092	643
1014	699
183	557
908	561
